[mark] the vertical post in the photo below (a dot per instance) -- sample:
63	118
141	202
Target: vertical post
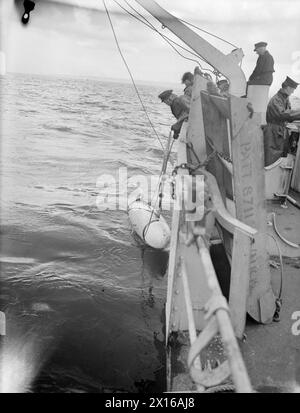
250	200
239	280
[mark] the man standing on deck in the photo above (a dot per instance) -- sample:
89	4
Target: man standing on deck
278	114
223	86
263	72
188	81
260	81
179	108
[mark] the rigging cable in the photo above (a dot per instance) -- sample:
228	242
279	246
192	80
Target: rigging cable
281	264
190	24
143	106
159	185
166	38
131	76
278	300
209	33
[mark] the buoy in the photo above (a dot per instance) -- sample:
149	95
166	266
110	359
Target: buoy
149	225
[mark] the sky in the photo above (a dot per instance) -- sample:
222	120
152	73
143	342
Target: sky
77	41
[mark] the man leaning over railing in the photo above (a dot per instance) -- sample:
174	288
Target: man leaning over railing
179	108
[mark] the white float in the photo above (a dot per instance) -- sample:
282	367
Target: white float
149	225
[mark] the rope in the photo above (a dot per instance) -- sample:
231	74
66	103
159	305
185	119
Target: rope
152	27
162	172
206	161
209	33
130	74
164	166
166	38
144	108
278	301
161	186
189	24
281	265
190	146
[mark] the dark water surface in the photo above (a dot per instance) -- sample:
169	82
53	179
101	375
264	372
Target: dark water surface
84	302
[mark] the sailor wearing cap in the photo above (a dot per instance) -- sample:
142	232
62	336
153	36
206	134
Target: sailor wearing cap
179	108
263	72
279	112
223	86
188	80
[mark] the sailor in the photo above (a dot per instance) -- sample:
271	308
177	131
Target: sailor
263	72
279	112
188	81
223	86
179	108
212	88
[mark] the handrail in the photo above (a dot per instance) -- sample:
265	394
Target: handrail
176	216
219	321
190	316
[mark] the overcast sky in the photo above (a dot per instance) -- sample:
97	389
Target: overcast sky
76	41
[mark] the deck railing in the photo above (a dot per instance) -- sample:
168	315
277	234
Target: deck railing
195	301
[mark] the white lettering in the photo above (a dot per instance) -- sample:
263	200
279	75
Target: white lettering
296	325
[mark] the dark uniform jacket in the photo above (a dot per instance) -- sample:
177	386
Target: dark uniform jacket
180	110
263	72
179	107
275	139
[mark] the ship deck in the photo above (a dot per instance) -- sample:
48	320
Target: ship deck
272	352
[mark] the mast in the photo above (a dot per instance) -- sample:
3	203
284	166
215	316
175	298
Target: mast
227	65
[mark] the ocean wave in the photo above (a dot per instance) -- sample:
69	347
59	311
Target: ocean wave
59	128
63	261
